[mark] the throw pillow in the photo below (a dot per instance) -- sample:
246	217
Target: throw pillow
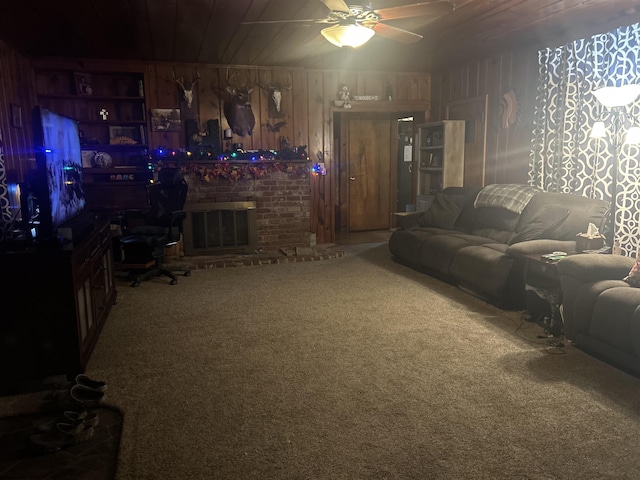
444	211
545	221
633	279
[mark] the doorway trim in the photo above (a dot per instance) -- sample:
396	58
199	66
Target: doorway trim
341	175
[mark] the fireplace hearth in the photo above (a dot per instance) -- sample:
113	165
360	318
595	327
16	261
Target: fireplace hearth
278	213
220	227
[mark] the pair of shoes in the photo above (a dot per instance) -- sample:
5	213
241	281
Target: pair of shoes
62	436
82	379
86	396
71	417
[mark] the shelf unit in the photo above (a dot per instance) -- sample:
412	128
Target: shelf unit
440	159
112	118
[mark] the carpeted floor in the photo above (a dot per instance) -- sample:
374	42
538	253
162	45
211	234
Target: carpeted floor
353	368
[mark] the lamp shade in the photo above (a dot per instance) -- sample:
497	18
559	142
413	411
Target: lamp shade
617	96
348	35
598	130
633	136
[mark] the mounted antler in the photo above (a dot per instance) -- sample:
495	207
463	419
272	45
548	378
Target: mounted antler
187	93
274	90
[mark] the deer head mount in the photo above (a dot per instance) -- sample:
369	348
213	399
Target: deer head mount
187	91
274	91
237	106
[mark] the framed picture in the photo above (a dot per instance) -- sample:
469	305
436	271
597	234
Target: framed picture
121	135
16	115
83	83
435	161
165	119
87	158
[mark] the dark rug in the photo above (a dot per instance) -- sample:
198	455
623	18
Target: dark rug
95	459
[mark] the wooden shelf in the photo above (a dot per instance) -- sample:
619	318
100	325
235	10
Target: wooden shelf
113	123
118	169
122	95
115	146
448	151
95	98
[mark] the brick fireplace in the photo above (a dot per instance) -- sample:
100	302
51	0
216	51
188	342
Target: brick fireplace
282	204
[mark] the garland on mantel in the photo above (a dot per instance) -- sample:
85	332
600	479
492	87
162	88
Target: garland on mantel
234	166
242	171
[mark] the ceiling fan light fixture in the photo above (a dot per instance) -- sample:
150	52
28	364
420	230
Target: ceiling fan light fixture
351	35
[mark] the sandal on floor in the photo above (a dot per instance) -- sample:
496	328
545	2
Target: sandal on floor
88	418
82	379
62	436
87	397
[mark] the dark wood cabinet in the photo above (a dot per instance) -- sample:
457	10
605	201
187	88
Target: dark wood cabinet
57	301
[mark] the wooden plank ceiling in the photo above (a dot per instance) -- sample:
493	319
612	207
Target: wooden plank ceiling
210	31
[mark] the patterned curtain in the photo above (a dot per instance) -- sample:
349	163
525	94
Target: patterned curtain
6	218
563	157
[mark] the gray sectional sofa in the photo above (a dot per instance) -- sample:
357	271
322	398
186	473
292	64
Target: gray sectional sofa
478	238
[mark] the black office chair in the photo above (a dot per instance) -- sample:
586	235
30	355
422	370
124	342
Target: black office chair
145	235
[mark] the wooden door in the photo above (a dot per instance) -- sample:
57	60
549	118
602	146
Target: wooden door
474	112
370	159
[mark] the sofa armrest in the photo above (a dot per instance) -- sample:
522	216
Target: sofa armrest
582	278
591	267
533	247
407	220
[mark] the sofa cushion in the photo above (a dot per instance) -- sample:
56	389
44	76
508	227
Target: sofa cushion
483	268
444	211
437	252
613	315
468	217
540	223
583	304
496	224
582	211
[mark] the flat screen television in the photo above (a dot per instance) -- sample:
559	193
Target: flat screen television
54	193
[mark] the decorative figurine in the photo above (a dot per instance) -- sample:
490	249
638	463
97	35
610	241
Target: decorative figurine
344	97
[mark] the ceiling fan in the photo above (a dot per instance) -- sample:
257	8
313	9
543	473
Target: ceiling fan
354	25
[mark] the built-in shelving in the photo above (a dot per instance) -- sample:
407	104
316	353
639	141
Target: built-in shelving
440	157
110	108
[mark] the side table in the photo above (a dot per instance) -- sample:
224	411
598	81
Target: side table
541	277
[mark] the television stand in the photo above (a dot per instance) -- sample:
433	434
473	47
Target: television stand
60	300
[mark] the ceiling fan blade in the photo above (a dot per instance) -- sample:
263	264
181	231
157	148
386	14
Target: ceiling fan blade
434	7
306	20
397	34
336	5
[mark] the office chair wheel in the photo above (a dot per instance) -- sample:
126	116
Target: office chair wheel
173	282
187	274
135	284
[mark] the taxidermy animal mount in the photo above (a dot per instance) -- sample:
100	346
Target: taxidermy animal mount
187	91
237	107
274	91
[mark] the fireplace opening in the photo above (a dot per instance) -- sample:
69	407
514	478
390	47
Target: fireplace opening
220	227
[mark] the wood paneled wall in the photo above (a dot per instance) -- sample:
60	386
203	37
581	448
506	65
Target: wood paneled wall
308	112
17	98
308	109
508	149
